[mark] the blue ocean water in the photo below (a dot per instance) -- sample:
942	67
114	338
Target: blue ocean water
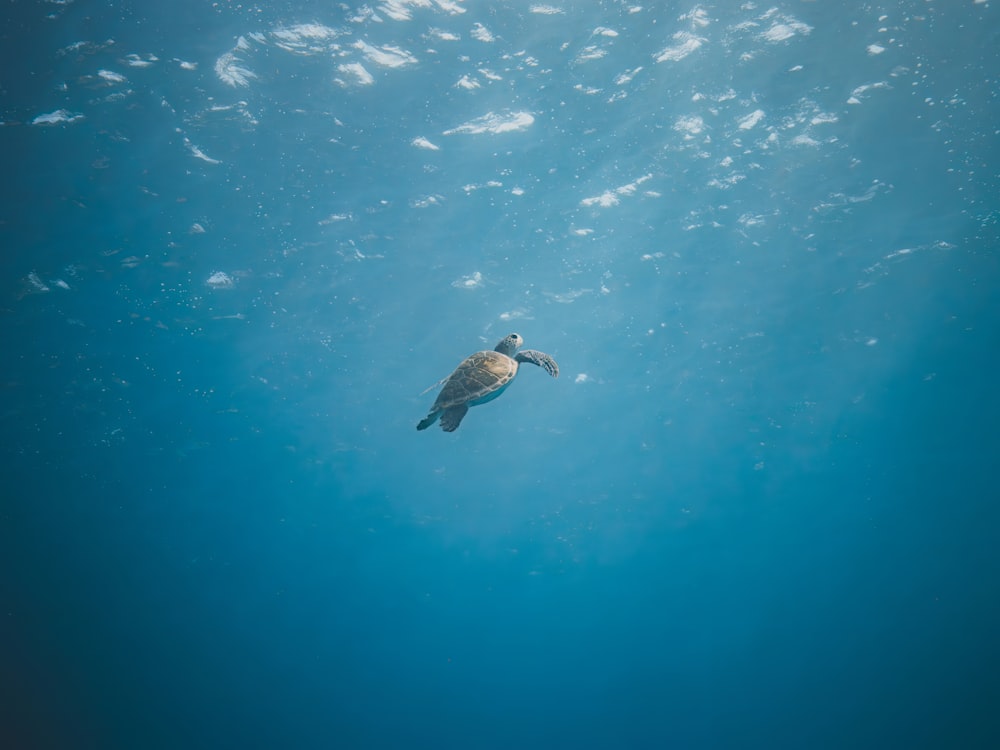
757	509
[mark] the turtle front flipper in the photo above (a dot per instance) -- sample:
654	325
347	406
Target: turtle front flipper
541	359
451	418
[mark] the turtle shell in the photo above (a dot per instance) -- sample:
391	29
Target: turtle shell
478	379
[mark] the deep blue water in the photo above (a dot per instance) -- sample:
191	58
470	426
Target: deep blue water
757	509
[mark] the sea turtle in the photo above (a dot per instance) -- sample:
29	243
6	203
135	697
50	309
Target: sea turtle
481	378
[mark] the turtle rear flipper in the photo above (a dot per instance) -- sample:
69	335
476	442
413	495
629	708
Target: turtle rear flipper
428	420
451	418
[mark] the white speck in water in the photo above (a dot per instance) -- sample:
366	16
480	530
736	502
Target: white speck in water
220	280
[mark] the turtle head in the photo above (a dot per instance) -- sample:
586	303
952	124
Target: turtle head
509	344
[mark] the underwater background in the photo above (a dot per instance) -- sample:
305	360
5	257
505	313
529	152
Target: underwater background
757	509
